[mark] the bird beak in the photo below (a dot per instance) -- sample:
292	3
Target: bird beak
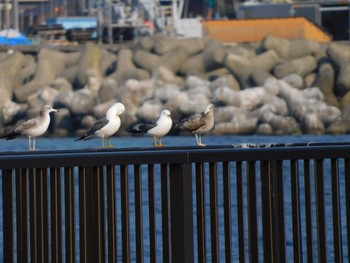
55	110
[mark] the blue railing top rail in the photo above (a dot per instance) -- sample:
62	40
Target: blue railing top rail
218	153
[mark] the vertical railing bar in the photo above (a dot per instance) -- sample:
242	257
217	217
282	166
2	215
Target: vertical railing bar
320	210
124	186
347	198
337	235
83	216
22	214
46	220
252	213
39	214
240	211
152	214
201	225
42	214
98	208
214	207
138	212
102	212
69	213
33	218
297	245
112	214
56	215
227	211
92	218
308	212
165	212
8	196
278	212
266	198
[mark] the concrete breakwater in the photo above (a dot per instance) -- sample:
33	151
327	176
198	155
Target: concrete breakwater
277	86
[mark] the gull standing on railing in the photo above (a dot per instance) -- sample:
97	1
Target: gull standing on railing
198	124
157	128
33	128
106	126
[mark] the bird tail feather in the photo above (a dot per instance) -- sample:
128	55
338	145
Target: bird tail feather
84	137
10	136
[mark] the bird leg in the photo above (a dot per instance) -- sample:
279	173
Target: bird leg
110	144
196	139
160	142
31	144
103	141
155	141
199	140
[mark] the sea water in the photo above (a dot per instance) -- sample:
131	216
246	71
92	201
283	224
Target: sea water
21	144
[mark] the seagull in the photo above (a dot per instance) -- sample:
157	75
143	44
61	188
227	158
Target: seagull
198	124
33	128
106	126
157	128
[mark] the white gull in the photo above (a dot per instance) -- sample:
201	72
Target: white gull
157	128
106	126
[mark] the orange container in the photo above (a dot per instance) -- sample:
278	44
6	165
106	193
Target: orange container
254	30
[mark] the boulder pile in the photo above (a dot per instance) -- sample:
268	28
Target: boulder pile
277	86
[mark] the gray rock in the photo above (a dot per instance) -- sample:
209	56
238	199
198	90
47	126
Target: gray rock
313	125
61	84
62	123
78	102
241	123
224	81
101	109
226	96
264	129
251	98
150	110
294	80
44	96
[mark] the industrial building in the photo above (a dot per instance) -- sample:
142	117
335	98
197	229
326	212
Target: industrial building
112	21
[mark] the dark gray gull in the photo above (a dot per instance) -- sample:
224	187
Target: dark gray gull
33	128
106	126
198	124
157	128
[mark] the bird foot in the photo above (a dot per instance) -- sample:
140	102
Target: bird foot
201	144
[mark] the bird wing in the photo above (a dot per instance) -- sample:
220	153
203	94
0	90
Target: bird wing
146	127
97	126
191	123
143	127
26	125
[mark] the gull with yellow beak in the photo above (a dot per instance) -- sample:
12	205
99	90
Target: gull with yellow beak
157	128
107	126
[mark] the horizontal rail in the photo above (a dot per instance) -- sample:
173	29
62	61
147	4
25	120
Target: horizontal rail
123	156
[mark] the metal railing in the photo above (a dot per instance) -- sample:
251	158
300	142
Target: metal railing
272	204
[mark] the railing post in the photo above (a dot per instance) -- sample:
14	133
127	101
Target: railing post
278	221
8	215
181	209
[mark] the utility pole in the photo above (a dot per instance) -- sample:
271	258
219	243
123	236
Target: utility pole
6	16
15	14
